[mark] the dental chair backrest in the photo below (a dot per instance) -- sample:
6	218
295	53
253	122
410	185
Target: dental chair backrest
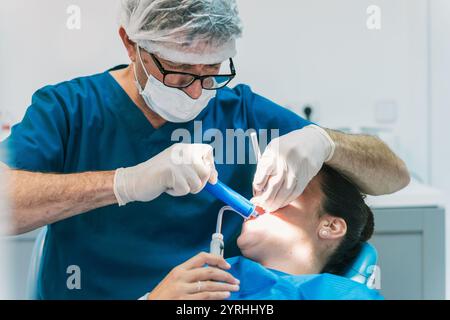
363	269
35	266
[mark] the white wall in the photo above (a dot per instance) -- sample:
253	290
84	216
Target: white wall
36	47
321	52
440	104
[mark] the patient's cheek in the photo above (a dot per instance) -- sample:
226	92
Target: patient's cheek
271	229
263	227
263	221
253	232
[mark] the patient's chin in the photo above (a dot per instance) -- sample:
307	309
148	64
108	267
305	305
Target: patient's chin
241	241
253	240
246	245
247	239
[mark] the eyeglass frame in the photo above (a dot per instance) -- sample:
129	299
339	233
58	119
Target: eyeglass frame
165	73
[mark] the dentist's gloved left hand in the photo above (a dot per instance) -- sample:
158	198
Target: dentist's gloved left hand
178	170
288	164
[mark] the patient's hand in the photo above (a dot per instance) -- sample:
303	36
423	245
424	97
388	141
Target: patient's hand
192	281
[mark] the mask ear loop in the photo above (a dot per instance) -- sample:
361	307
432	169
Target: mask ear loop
136	79
143	67
140	59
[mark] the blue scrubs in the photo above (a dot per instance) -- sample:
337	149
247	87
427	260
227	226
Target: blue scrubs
260	283
91	124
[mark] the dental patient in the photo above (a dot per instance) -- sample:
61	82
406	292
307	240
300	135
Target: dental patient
297	252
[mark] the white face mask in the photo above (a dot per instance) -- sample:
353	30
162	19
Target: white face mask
172	104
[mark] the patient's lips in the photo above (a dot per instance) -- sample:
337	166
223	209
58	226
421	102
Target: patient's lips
259	211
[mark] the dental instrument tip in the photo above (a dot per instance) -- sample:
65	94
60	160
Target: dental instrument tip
258	211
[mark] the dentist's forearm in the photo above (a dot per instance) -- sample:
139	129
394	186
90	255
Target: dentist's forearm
369	163
38	199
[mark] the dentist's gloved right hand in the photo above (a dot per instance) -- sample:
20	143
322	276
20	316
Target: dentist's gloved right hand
178	170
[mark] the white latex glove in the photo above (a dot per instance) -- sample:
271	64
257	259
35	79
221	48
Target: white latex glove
288	164
178	170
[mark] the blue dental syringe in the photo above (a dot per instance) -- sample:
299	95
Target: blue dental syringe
236	201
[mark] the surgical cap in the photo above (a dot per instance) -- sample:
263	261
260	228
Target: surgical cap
184	31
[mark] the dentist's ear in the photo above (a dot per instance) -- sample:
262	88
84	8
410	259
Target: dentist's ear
129	45
331	228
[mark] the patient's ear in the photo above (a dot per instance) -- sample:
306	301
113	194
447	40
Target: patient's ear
331	228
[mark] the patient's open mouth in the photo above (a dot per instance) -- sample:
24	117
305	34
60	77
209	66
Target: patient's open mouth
260	211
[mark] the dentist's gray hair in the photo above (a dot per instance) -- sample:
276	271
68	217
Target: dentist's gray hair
206	30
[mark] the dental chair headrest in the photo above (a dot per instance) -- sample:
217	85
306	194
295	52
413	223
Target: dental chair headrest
362	269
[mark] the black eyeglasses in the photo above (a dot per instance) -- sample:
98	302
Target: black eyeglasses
181	80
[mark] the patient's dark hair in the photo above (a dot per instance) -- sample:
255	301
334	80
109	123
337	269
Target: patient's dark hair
343	199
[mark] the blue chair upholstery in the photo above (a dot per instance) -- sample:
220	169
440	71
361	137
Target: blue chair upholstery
361	270
35	265
363	267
